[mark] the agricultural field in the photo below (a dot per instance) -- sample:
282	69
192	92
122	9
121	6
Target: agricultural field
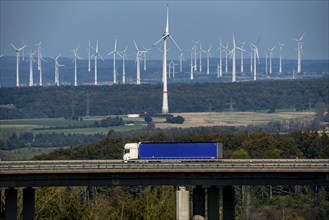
236	118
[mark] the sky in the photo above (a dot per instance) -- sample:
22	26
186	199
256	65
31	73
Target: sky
63	25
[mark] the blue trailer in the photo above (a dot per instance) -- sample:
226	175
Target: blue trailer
173	151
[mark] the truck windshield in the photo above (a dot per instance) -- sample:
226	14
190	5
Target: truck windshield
127	151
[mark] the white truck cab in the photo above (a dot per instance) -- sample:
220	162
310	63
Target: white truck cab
131	151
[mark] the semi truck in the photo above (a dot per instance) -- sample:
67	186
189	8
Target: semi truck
173	151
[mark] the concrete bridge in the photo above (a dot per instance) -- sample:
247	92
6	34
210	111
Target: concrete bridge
213	175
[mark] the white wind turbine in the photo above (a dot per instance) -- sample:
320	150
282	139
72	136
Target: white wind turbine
200	59
114	52
232	52
251	52
124	58
256	56
271	54
139	54
181	61
220	72
57	65
18	50
165	108
300	50
89	48
226	55
266	57
75	60
208	57
40	59
192	67
31	60
144	53
195	52
241	67
95	55
280	68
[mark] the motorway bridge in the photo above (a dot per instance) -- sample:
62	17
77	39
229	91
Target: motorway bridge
213	174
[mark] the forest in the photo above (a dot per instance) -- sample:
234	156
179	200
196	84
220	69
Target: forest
66	101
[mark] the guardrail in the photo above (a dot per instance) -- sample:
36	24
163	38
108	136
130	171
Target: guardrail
288	164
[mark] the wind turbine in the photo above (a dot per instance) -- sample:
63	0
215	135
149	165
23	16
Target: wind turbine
232	52
200	63
194	48
241	67
124	58
192	67
220	58
18	50
165	35
114	52
266	57
88	48
256	56
208	56
226	55
57	65
145	51
31	59
300	50
181	61
271	54
139	54
95	55
251	52
76	57
40	59
280	68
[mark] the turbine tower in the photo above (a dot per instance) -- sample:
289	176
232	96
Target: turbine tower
95	55
114	52
280	68
76	57
18	50
194	48
208	57
232	52
139	54
256	56
144	53
40	59
271	54
181	61
31	60
57	65
241	67
226	55
165	108
251	51
200	54
124	58
266	57
89	48
299	51
192	67
220	58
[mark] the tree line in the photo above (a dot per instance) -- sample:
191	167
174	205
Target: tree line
51	102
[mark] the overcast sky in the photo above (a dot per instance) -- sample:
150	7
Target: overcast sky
63	25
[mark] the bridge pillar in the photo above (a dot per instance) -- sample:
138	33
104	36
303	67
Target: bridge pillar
213	203
182	204
28	203
11	204
199	202
228	203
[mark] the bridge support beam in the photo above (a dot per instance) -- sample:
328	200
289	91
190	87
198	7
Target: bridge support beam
213	202
199	202
182	204
11	204
228	203
28	203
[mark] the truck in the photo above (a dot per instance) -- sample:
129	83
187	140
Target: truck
173	151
